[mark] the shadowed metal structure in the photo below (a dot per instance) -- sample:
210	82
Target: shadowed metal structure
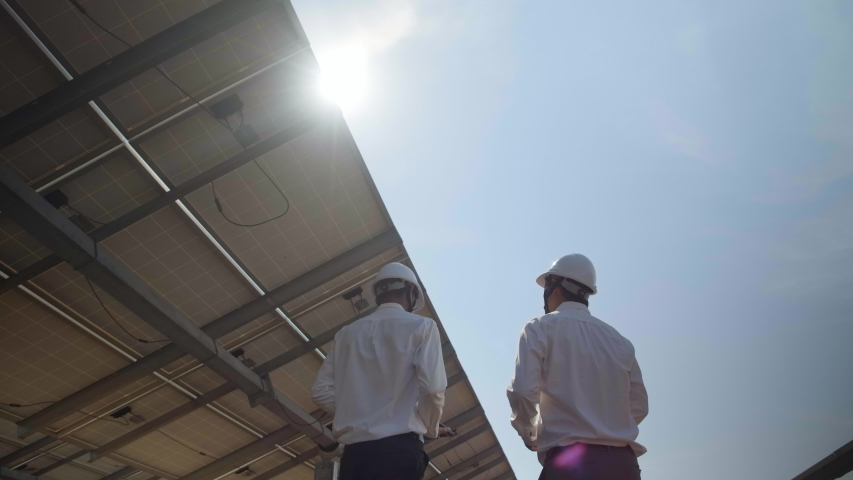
835	465
144	333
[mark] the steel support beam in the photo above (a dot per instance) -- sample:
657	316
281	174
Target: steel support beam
218	392
217	328
510	475
288	465
835	465
483	468
27	450
9	474
119	473
456	441
125	66
239	457
35	215
304	125
152	426
59	463
454	379
467	463
465	417
30	272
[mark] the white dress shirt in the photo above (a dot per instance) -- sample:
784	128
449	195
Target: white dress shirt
584	377
384	376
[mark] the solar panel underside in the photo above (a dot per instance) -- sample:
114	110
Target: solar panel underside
56	339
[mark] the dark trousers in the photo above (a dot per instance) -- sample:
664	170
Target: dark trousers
582	461
400	457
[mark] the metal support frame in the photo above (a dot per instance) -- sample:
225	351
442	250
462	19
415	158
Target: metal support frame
27	450
465	416
456	421
835	465
119	473
510	475
35	215
483	468
152	426
470	461
304	125
218	392
53	261
456	441
238	458
29	272
61	462
288	465
454	379
9	474
125	66
217	328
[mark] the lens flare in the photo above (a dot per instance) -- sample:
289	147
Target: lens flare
570	457
343	77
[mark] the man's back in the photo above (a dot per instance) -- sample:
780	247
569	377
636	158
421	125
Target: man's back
589	388
379	369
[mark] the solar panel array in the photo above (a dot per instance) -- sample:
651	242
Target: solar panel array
70	361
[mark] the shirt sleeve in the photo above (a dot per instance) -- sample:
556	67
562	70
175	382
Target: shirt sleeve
432	380
639	397
523	392
323	392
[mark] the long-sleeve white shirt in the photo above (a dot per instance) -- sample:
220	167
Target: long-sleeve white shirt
585	379
384	376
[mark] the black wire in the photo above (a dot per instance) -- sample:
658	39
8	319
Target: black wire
225	124
187	446
140	340
290	420
83	11
78	212
125	423
222	211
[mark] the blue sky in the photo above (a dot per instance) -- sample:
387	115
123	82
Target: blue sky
700	153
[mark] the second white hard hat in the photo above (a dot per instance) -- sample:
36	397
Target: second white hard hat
401	272
574	267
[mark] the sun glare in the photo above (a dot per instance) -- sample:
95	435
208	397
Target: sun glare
343	78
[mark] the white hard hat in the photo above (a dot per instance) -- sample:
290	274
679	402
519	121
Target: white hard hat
401	272
574	267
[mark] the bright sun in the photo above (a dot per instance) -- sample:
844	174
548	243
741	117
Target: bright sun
344	76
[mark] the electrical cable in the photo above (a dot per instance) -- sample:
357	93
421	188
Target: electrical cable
140	340
187	446
225	124
86	14
290	420
78	212
125	423
222	212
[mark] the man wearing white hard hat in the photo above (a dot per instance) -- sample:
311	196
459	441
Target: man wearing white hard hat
384	381
583	377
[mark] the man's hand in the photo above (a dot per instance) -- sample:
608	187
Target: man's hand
446	432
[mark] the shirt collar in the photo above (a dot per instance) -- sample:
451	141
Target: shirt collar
572	306
390	305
